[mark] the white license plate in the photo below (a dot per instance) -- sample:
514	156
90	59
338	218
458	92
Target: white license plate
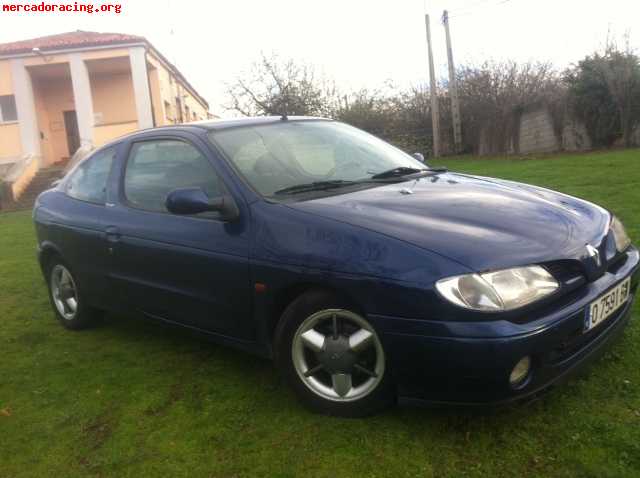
604	306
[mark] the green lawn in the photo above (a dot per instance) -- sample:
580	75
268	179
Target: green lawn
132	399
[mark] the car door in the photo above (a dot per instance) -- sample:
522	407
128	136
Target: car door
74	223
191	270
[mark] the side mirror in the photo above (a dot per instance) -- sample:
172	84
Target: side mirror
194	200
419	157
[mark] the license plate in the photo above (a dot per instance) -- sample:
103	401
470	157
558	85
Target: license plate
603	307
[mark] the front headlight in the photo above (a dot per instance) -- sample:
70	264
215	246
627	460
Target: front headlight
497	291
620	234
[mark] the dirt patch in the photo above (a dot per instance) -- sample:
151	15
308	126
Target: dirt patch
98	430
176	393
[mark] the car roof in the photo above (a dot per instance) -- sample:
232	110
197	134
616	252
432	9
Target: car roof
217	124
250	121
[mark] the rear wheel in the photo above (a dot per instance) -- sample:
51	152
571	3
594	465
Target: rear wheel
332	357
69	307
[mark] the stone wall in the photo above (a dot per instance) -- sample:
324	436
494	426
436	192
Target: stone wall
575	136
536	133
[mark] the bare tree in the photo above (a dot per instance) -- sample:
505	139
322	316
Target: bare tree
493	97
282	87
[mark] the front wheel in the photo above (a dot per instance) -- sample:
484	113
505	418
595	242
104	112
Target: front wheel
332	357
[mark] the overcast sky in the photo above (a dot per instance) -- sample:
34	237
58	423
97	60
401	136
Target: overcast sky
359	43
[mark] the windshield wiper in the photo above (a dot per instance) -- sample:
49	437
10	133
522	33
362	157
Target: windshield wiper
314	186
398	171
405	171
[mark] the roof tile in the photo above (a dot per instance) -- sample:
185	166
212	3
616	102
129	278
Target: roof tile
83	39
77	39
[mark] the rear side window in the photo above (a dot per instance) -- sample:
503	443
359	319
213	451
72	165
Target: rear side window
155	168
89	181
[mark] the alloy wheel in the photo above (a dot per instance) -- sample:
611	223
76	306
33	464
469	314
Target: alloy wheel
338	355
64	292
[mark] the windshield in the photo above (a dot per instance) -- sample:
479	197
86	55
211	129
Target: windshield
281	156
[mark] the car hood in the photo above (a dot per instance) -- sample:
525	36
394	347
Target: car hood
482	223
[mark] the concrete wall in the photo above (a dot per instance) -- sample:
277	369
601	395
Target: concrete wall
536	133
24	179
575	136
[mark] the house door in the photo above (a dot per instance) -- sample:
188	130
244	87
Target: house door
71	128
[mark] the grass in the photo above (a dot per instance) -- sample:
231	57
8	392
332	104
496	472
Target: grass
132	399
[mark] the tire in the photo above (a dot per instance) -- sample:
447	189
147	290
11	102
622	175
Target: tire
65	296
332	357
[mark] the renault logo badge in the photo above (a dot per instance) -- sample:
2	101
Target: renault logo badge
594	253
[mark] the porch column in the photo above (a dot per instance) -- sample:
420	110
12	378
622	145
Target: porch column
25	109
82	99
137	57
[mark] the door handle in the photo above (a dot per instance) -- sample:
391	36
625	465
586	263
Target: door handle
112	233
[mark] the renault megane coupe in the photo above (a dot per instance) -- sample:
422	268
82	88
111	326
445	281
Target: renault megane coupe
364	273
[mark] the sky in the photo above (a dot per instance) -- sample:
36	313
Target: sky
358	43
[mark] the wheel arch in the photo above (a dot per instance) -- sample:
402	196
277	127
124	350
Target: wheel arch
287	295
46	252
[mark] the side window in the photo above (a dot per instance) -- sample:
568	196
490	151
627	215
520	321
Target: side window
155	168
89	181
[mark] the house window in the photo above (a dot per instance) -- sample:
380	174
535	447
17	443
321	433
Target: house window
167	111
8	109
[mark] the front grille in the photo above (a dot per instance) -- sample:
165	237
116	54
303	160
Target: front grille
616	263
566	271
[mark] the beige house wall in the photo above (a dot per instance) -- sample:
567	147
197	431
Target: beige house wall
113	100
6	86
195	108
53	97
157	104
10	146
106	133
167	87
113	97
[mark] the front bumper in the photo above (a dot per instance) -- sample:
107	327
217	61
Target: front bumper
470	362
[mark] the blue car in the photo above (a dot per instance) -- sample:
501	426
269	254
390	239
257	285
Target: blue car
364	273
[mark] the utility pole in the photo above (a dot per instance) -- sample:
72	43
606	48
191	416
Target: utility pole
435	113
453	89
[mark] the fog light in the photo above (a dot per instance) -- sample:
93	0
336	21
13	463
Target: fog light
520	372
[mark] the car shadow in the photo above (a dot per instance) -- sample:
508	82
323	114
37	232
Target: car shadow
196	348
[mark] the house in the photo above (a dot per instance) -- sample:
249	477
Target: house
78	90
